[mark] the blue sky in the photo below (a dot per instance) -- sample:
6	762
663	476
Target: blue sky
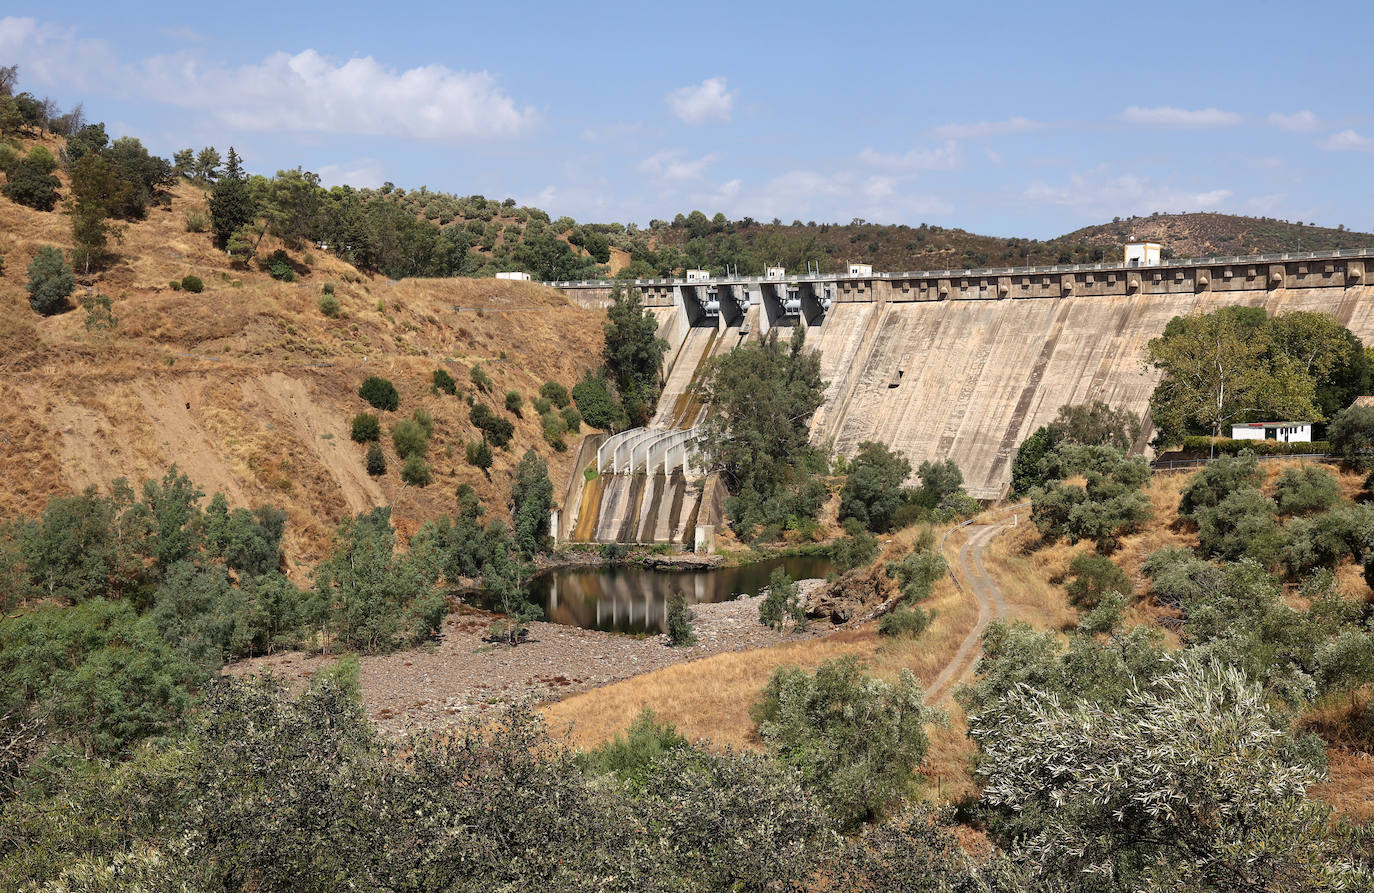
1003	118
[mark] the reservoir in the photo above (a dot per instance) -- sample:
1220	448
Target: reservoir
634	599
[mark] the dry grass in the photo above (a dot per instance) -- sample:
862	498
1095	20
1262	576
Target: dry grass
710	698
270	381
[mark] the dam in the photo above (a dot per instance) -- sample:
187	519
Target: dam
965	364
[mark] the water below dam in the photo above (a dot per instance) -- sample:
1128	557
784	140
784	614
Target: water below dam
634	599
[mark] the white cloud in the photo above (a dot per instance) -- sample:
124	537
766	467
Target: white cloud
182	33
808	194
707	101
364	173
310	93
1298	122
1266	204
674	165
302	93
939	158
1167	116
1348	141
981	129
1128	194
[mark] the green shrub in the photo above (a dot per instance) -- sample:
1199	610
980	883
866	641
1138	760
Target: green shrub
873	491
905	622
631	755
572	418
30	181
366	427
479	454
380	393
555	393
1095	577
422	418
376	459
782	603
480	379
409	439
1219	479
680	621
416	471
1241	526
1228	447
856	741
191	282
51	280
444	382
853	551
175	285
1352	435
278	266
514	402
197	222
918	572
542	405
598	407
1302	491
554	429
328	288
498	430
329	306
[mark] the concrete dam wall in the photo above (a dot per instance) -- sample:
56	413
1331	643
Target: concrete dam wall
967	364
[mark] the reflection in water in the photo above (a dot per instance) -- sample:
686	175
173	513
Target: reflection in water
633	599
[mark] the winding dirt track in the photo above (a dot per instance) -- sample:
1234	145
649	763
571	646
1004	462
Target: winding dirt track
991	605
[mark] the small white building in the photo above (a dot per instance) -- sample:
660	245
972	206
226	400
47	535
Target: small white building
1142	254
860	270
518	277
698	275
775	273
1283	432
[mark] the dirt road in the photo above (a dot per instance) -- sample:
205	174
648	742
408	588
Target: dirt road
974	579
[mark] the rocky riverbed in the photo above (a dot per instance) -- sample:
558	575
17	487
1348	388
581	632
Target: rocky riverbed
461	674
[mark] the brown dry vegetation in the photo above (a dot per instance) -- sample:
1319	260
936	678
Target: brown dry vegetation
248	387
711	698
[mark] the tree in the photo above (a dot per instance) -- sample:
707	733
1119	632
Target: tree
375	461
1351	434
1178	788
1097	424
598	407
207	165
50	281
855	740
444	383
375	597
504	576
1095	578
680	630
531	500
1222	367
96	192
940	480
782	603
873	489
31	181
231	203
757	430
633	353
100	675
1326	351
514	402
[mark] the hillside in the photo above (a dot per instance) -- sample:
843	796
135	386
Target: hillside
750	244
249	388
1204	235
